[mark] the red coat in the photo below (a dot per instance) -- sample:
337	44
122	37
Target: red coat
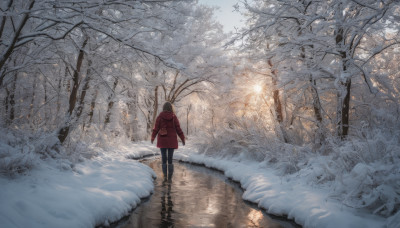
168	120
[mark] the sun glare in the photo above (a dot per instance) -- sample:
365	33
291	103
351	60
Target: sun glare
257	88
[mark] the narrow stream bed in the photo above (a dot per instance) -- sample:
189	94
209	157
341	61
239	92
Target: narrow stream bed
196	196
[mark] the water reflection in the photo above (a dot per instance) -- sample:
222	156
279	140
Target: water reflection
166	203
196	197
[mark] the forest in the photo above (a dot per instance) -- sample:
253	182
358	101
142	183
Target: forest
304	85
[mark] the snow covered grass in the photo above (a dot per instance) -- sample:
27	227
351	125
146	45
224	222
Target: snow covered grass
42	188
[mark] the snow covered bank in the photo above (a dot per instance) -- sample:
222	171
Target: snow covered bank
310	206
58	193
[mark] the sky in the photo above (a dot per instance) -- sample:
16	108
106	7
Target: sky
226	15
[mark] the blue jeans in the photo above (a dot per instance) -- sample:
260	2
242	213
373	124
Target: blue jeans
164	155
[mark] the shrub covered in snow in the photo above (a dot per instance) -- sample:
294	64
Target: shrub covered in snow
21	150
368	173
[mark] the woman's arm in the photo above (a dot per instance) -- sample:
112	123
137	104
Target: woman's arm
179	130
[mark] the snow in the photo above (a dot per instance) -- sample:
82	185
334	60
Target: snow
310	206
107	186
95	191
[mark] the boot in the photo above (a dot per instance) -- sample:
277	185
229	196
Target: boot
164	169
170	170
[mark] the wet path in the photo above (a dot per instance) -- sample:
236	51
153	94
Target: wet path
196	197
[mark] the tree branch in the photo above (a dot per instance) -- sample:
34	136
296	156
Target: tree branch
7	53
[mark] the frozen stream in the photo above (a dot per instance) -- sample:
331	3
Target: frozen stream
196	197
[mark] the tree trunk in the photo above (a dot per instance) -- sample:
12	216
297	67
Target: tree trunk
63	133
152	116
132	112
66	82
32	104
320	134
277	103
12	99
345	110
148	123
110	104
6	101
75	80
59	94
84	90
187	118
316	101
345	87
2	76
45	100
155	106
92	106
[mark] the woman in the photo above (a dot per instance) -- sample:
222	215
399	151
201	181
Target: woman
167	127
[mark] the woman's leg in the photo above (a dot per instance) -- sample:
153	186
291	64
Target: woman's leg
170	155
164	160
170	165
164	155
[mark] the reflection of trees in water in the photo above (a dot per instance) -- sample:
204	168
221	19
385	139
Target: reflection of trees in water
166	204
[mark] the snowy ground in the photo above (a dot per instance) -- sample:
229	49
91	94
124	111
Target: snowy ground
106	187
93	192
310	206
